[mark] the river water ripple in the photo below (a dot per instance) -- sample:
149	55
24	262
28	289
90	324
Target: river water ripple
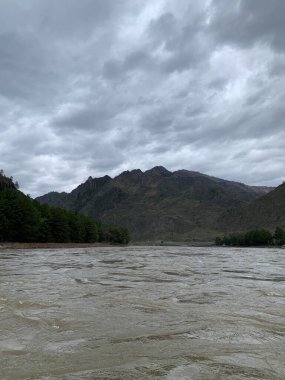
142	313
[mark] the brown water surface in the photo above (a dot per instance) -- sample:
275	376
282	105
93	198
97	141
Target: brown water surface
142	313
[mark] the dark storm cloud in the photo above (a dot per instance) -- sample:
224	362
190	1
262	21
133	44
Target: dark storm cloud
22	66
248	22
92	119
95	87
183	40
77	19
277	68
136	61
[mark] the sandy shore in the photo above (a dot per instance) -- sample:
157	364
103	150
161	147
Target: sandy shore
50	245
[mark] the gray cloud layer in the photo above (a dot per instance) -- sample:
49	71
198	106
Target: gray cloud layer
95	87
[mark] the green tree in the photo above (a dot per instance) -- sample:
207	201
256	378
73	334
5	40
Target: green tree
25	220
279	236
20	218
59	226
91	231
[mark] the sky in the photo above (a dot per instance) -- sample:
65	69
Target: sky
96	87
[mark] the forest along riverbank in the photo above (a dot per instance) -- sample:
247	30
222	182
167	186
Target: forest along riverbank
142	313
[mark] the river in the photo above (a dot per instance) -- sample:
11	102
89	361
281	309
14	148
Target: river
142	313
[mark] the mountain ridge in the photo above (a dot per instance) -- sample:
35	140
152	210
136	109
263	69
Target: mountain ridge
158	204
268	211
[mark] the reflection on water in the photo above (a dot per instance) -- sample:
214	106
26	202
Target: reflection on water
142	313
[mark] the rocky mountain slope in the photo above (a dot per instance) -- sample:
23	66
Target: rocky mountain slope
158	204
267	211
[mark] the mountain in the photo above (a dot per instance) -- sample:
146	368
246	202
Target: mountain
158	204
267	212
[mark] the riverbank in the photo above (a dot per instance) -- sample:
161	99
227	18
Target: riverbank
162	243
7	245
51	245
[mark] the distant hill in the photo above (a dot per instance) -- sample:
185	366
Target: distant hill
267	211
158	204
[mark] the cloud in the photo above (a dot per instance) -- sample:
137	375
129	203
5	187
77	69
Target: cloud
249	22
95	87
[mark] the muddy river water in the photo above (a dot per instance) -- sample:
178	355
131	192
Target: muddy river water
142	313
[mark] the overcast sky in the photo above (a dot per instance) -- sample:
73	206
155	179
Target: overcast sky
95	87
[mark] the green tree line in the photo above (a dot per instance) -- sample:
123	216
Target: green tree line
255	238
24	220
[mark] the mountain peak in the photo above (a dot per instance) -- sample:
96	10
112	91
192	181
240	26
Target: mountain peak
130	174
158	171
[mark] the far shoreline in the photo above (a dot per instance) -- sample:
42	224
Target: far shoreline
17	245
14	245
37	245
